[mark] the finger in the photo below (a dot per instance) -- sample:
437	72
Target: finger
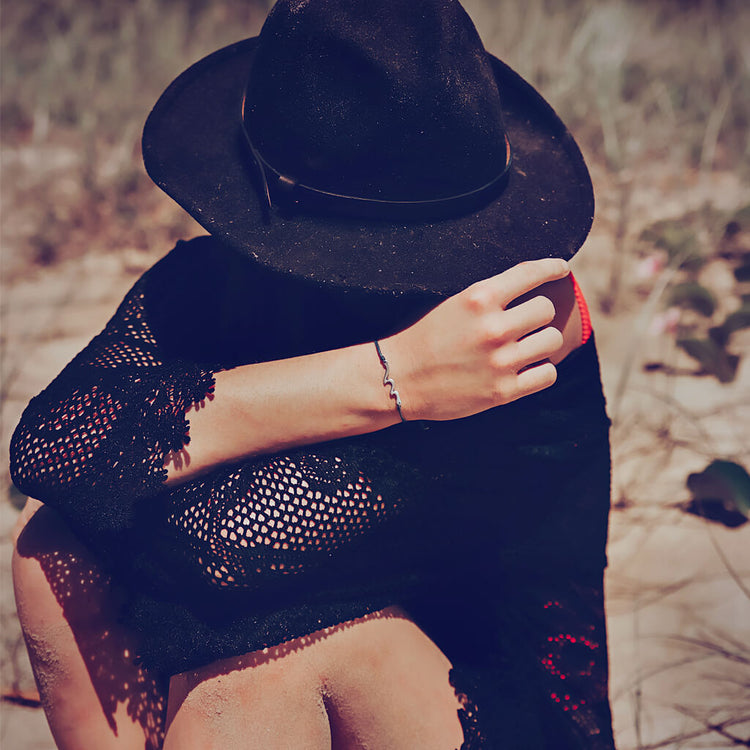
509	359
538	346
527	276
516	322
535	379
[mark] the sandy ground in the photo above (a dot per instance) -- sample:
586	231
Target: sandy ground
679	621
678	587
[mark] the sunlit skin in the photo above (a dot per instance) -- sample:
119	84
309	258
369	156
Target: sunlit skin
470	353
378	682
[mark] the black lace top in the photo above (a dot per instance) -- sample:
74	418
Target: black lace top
490	531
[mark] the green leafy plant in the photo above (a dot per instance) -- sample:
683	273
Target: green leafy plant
707	319
679	240
721	493
713	358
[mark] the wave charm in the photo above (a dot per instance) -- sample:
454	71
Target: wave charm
388	380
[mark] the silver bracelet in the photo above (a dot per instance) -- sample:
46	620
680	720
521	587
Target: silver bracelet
387	380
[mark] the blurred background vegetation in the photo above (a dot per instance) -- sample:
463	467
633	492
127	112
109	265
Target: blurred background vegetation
657	93
636	80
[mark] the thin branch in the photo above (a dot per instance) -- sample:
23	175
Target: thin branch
710	646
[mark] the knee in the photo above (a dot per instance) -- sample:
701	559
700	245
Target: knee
44	629
246	702
39	612
48	567
29	580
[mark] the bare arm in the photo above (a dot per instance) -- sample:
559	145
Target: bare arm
474	351
102	439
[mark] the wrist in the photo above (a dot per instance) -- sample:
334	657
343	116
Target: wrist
389	382
365	397
402	371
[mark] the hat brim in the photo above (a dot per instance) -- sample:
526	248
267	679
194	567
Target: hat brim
193	150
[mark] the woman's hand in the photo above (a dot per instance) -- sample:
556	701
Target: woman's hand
476	350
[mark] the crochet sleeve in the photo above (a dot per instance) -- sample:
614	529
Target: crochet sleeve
93	443
275	516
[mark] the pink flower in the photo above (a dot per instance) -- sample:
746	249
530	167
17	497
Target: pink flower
665	322
651	266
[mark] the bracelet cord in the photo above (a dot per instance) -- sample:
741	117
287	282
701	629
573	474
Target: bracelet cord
388	380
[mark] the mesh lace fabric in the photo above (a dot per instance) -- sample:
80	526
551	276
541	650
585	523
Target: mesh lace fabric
263	519
92	445
252	555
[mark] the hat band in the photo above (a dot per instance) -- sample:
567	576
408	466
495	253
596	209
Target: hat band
286	193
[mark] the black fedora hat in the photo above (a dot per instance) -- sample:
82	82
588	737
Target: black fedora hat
394	152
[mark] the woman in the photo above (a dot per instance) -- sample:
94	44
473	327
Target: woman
376	162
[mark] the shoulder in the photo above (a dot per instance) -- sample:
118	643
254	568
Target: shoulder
183	295
199	264
199	303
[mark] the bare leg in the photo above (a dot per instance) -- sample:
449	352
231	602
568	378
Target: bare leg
240	704
377	682
92	692
387	687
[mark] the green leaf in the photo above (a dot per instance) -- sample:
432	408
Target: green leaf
694	296
719	334
738	320
721	492
678	239
735	321
713	358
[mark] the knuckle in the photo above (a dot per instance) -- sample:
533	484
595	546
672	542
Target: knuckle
493	332
499	392
522	271
501	360
477	297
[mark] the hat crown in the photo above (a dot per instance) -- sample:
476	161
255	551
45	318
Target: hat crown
385	99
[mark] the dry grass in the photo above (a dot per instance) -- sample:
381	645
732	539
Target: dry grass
78	79
657	93
636	80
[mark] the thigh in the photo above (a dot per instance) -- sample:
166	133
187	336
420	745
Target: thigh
387	687
258	701
377	682
92	692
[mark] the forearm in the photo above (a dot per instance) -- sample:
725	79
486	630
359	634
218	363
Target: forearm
271	406
465	356
107	424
